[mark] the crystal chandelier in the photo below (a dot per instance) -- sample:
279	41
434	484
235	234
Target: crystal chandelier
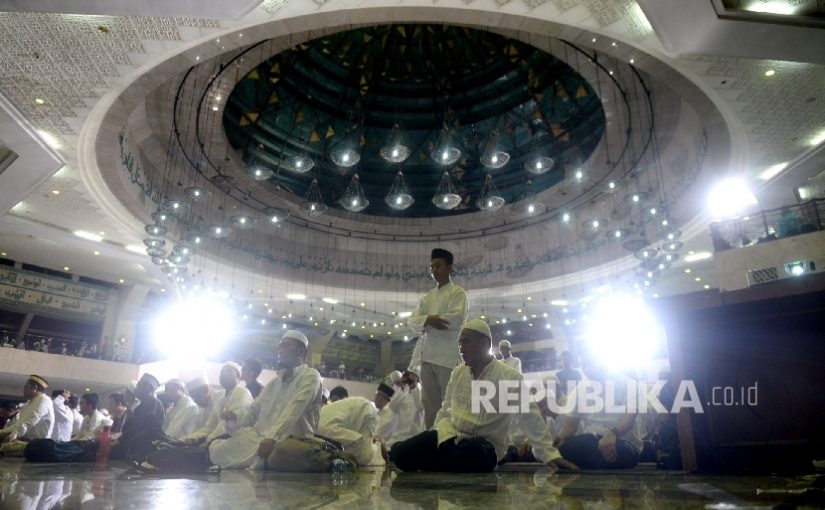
395	151
275	214
354	199
526	204
218	231
258	173
445	196
539	164
299	164
313	204
493	156
445	153
196	193
399	197
242	221
489	200
345	153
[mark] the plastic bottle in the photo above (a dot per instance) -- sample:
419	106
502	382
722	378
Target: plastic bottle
104	445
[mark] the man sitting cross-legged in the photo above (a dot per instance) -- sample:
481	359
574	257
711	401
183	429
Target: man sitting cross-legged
288	406
464	441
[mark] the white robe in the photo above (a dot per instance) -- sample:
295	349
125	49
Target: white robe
63	420
352	422
456	421
236	402
182	419
406	405
387	423
513	362
35	420
92	423
77	421
439	346
284	408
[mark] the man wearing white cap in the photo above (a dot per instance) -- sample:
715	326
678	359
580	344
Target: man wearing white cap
198	388
288	406
463	441
225	407
183	418
507	357
439	317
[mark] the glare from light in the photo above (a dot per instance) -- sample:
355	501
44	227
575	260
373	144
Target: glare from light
701	255
729	198
296	297
565	218
136	248
193	328
772	171
559	302
405	314
50	139
90	236
623	333
509	332
330	300
776	7
818	138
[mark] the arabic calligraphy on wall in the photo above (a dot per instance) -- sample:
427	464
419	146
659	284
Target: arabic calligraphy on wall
29	289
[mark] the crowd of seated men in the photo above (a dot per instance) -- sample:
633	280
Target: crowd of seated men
295	423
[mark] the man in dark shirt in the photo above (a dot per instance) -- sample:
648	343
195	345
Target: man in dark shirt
567	376
144	422
249	373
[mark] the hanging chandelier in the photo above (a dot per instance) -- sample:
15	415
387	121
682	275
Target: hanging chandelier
299	164
489	200
396	151
445	153
399	197
354	199
539	164
445	196
313	204
493	157
258	172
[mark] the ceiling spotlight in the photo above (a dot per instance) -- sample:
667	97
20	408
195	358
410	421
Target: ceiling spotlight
330	300
565	217
770	72
66	268
296	297
39	100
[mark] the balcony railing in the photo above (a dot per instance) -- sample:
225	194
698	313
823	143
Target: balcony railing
769	225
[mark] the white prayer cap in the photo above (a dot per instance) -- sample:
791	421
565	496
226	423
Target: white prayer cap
479	326
296	335
176	382
233	365
196	383
504	343
396	376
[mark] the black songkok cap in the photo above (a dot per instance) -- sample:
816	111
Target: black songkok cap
440	253
386	390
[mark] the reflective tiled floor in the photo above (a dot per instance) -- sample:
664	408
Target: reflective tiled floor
70	486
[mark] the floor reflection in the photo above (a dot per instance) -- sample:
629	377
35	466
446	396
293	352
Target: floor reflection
52	486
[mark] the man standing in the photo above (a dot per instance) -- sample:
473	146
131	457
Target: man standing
439	317
183	417
225	409
63	416
465	441
36	418
507	357
249	373
288	406
93	420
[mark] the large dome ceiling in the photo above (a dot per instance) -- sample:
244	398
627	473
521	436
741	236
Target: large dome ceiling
354	87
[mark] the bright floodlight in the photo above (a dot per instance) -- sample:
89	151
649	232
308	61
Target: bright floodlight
623	332
193	328
729	198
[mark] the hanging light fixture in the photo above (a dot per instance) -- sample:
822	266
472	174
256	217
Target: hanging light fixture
174	206
445	196
346	152
445	153
160	217
489	200
299	164
527	204
196	193
154	242
354	199
396	151
242	221
313	204
258	172
539	164
155	230
493	156
218	231
276	214
195	239
399	197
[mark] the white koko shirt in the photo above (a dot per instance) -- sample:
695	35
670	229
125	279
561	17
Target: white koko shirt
439	346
